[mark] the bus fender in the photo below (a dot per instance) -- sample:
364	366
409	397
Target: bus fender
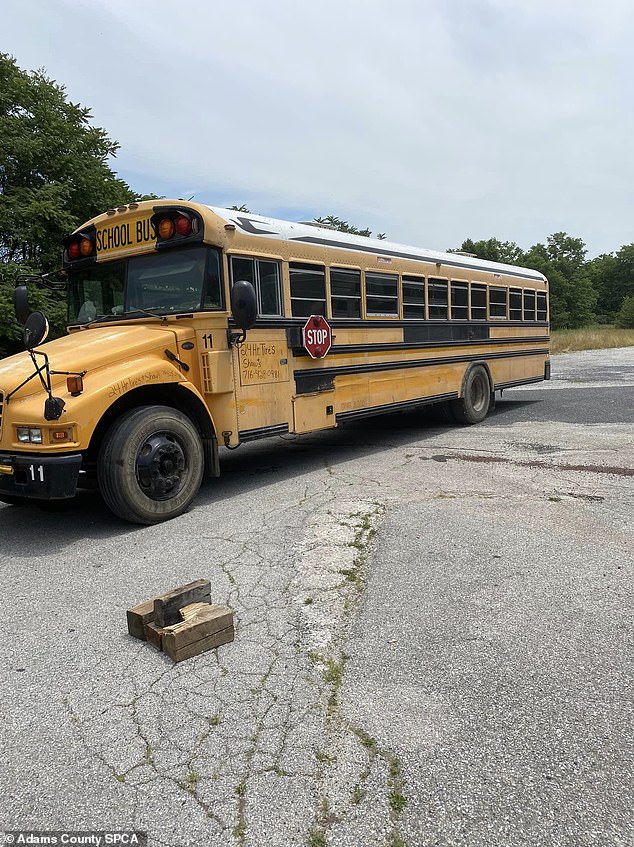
181	395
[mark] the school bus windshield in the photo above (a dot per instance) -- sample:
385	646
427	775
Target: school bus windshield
167	282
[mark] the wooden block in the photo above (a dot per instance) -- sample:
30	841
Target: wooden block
167	606
138	617
189	611
154	635
204	622
202	645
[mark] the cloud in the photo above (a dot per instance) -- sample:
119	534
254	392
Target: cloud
431	121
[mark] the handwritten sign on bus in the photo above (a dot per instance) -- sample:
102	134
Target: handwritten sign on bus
262	362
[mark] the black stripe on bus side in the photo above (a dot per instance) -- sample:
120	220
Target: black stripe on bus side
420	363
428	345
357	323
403	406
500	386
262	432
358	248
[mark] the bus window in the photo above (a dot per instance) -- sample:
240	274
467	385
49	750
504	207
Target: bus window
213	296
459	300
478	302
264	276
498	302
529	305
345	293
308	290
541	306
515	304
381	294
414	297
438	303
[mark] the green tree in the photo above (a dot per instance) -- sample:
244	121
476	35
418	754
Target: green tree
343	226
613	276
493	250
54	174
625	317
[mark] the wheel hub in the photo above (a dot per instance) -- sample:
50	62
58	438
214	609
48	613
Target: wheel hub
160	466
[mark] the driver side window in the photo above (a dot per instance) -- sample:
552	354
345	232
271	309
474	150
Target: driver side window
264	276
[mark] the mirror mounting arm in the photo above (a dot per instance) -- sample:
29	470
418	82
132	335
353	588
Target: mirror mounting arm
235	339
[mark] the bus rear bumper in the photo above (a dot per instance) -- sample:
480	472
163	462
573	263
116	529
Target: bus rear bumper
39	477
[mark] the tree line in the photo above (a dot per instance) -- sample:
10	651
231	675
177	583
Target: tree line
55	173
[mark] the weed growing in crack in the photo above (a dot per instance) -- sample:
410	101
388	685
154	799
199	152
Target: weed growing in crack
367	740
397	801
358	794
241	789
324	757
119	777
396	841
214	720
308	601
317	838
240	830
352	574
333	676
192	781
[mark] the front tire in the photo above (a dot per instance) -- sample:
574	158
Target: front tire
150	465
14	500
474	404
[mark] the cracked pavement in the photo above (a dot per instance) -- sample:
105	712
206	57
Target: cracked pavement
433	639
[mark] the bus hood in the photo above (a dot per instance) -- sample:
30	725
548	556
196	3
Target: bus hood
87	350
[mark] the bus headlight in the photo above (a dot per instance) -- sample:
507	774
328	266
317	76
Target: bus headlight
29	435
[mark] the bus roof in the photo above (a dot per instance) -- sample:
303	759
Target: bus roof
259	225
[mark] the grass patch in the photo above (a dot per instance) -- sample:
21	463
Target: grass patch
397	801
317	838
358	794
590	338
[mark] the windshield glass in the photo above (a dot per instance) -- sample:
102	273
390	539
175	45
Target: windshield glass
165	283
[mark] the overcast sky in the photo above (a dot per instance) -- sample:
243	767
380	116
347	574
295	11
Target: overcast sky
432	121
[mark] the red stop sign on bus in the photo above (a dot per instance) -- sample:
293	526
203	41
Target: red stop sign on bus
317	336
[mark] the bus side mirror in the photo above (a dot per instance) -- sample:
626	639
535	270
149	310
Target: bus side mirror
21	303
244	304
35	330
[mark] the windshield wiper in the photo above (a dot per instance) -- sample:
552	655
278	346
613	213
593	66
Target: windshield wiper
96	320
146	312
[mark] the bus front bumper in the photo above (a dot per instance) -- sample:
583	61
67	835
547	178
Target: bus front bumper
39	477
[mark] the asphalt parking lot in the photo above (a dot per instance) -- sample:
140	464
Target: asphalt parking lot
433	639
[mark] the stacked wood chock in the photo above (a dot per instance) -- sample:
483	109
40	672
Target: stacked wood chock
182	622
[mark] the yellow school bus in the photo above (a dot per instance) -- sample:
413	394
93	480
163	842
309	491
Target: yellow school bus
193	328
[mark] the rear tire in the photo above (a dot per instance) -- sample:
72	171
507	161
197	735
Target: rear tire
150	465
474	404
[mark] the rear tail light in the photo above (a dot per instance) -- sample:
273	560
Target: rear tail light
73	250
